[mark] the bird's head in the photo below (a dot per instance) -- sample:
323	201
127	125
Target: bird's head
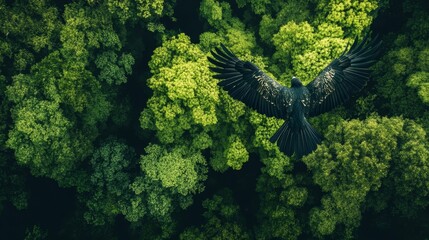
295	82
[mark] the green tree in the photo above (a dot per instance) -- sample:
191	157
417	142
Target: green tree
402	73
280	200
184	96
12	177
404	190
109	192
223	220
28	29
148	11
169	179
58	105
363	157
43	137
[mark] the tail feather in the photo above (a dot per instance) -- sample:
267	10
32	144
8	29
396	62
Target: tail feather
301	141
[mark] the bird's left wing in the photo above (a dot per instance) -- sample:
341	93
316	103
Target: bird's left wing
344	76
246	82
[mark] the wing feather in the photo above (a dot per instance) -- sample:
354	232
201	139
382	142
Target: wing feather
344	76
244	81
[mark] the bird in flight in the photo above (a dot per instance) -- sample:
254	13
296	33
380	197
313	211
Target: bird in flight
343	77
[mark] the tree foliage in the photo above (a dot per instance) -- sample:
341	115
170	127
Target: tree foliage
150	12
115	101
362	153
223	220
402	73
109	191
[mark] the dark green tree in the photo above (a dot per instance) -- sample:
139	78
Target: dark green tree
223	220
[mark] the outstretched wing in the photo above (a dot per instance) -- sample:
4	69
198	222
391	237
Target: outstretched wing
344	76
247	83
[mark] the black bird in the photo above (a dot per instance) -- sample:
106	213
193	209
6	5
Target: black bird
344	76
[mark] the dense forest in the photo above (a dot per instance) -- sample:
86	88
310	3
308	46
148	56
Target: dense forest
113	127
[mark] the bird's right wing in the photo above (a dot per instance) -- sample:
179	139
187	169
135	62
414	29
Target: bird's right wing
246	82
344	76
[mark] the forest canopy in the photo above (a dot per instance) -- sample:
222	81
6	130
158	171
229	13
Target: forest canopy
112	125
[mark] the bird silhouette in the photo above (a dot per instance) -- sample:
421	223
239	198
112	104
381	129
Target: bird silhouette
334	85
